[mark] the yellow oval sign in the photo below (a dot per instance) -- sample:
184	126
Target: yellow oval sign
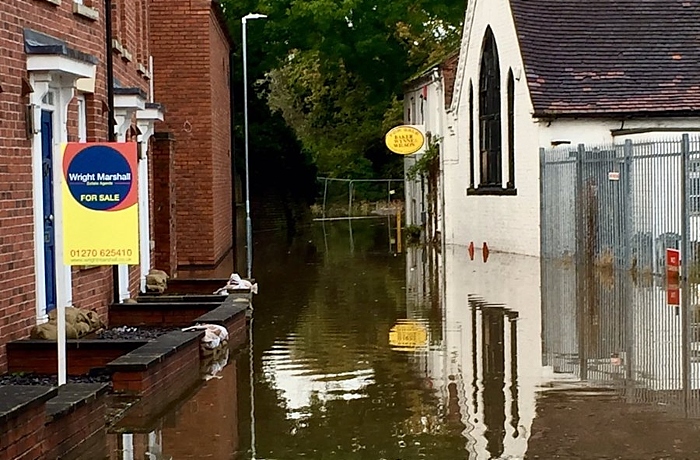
404	140
408	335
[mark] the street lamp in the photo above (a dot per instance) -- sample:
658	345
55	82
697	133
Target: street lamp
248	222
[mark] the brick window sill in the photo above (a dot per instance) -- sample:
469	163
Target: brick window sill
85	11
492	190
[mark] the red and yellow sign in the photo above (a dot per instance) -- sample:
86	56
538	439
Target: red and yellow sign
673	263
100	204
405	140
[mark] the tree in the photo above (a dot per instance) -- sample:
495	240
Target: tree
334	69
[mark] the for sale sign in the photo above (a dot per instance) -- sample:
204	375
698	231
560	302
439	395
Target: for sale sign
100	204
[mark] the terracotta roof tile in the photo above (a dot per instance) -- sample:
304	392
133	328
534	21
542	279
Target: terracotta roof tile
610	56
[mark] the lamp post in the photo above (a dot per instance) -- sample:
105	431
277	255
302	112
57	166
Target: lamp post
248	222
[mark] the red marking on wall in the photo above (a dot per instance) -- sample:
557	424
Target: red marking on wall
485	252
471	250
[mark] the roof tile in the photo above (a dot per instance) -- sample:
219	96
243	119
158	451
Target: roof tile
602	56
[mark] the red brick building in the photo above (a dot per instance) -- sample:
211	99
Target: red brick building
191	53
52	90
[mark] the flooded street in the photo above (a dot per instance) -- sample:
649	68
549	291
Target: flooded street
361	352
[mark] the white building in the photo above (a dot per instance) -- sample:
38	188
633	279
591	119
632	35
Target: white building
539	73
426	98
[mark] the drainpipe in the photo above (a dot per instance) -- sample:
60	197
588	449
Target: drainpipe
111	135
234	203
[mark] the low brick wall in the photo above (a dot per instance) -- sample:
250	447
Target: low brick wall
158	314
41	356
22	419
76	423
232	314
162	367
237	330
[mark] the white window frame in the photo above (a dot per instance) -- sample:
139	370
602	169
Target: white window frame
82	118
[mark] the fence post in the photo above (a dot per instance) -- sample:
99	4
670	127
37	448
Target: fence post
685	269
626	178
580	268
543	267
350	199
325	194
542	202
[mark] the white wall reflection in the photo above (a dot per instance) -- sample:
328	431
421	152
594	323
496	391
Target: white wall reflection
488	364
300	384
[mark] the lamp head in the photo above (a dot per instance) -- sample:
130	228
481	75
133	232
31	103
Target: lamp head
253	16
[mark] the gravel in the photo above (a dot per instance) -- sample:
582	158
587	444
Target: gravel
97	376
22	378
133	333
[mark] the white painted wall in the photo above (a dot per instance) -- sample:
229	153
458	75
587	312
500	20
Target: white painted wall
426	108
505	223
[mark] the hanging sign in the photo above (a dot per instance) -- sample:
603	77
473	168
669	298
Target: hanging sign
405	140
100	204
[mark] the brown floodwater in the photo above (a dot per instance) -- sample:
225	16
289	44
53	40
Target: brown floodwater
361	349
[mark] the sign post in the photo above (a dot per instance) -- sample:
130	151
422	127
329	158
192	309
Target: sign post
100	213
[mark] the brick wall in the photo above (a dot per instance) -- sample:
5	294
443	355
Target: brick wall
164	215
221	137
23	436
17	289
181	369
190	76
65	433
92	288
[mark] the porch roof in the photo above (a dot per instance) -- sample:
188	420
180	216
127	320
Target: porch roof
37	43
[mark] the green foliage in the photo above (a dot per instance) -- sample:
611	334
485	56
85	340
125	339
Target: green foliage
413	233
427	162
333	70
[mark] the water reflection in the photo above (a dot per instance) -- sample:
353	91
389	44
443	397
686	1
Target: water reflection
360	352
328	382
201	423
619	331
493	347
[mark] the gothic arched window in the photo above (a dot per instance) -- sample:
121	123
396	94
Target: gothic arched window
490	114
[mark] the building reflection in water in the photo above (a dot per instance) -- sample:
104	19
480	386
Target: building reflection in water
487	363
203	423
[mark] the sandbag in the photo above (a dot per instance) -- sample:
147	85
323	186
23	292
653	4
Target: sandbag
49	331
78	324
156	281
235	282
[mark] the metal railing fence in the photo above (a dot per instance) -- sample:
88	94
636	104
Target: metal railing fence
608	214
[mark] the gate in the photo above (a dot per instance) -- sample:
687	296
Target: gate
608	213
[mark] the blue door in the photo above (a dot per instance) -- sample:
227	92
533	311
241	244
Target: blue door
47	187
